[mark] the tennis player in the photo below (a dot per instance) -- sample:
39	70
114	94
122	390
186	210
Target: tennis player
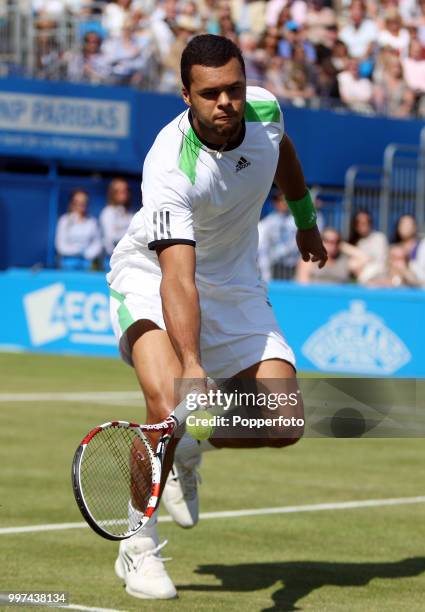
186	300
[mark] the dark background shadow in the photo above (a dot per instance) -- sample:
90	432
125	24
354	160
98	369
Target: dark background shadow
296	579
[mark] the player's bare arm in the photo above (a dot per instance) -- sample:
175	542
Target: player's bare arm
290	179
180	304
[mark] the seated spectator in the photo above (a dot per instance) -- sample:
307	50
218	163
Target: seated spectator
298	86
337	269
48	57
226	25
360	33
89	65
127	56
325	81
277	247
392	96
77	239
414	68
372	244
293	37
115	216
339	56
355	91
406	236
269	44
275	77
394	35
399	273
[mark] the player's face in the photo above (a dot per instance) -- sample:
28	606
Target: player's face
217	100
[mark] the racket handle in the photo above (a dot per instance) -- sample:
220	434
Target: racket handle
182	411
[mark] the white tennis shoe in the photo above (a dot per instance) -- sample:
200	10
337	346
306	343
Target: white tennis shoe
180	495
142	568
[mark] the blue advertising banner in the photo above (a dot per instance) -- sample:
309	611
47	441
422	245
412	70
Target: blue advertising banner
56	312
348	329
114	127
55	120
331	329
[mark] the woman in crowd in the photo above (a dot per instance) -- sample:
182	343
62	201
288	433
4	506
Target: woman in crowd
393	34
115	217
414	68
372	244
392	96
406	236
77	239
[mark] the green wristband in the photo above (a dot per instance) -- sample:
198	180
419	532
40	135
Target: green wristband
304	212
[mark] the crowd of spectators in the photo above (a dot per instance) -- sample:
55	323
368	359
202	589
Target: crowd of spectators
366	55
367	257
83	242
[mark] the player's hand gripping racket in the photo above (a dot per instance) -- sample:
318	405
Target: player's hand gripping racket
115	463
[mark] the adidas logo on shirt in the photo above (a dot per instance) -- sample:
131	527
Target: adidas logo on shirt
242	163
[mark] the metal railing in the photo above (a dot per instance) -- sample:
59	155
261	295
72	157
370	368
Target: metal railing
398	188
400	185
363	189
33	45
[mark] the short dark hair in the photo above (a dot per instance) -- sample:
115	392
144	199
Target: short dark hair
208	50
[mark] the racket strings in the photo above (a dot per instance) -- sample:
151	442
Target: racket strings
116	468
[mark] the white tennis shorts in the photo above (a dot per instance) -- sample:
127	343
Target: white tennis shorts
238	327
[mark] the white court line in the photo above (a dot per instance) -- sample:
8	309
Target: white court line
363	503
72	397
4	599
77	607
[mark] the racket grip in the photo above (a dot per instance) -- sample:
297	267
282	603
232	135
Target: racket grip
185	408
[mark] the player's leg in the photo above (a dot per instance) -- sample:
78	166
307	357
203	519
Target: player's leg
275	376
157	368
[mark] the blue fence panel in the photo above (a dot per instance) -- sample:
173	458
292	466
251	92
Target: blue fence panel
25	210
331	329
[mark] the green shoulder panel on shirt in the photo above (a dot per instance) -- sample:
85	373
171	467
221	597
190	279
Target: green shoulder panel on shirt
189	154
264	111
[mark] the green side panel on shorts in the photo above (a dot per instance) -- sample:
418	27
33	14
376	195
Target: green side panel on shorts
266	112
118	296
124	317
189	155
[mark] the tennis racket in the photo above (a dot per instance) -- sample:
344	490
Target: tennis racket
115	464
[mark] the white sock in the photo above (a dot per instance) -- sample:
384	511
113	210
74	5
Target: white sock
149	530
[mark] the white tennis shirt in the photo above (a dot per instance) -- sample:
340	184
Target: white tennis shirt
207	198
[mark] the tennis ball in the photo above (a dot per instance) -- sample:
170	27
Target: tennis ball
200	425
